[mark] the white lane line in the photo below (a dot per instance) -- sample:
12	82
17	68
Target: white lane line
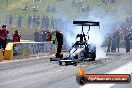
126	69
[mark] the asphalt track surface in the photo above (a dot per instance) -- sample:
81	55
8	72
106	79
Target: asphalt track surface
41	73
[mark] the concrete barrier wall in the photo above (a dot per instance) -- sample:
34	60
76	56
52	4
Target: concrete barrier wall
8	51
27	49
1	55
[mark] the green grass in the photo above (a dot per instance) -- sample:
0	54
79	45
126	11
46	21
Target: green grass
66	11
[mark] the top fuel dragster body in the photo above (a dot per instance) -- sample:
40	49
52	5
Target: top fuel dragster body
81	50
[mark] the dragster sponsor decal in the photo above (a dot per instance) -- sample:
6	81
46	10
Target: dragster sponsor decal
82	77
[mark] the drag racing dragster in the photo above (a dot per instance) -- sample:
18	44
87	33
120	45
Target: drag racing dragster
81	50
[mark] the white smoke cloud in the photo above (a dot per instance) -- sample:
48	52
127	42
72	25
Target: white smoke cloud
105	21
97	36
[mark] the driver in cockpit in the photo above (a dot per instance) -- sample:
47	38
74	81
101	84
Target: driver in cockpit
82	37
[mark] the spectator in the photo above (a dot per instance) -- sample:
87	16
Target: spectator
55	22
35	8
109	43
10	19
44	35
3	37
37	20
26	7
113	43
117	40
47	22
36	36
34	22
48	9
29	21
43	21
41	36
16	36
127	41
20	21
52	23
53	37
73	3
49	36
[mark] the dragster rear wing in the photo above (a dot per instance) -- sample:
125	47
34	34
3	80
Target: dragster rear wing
86	23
